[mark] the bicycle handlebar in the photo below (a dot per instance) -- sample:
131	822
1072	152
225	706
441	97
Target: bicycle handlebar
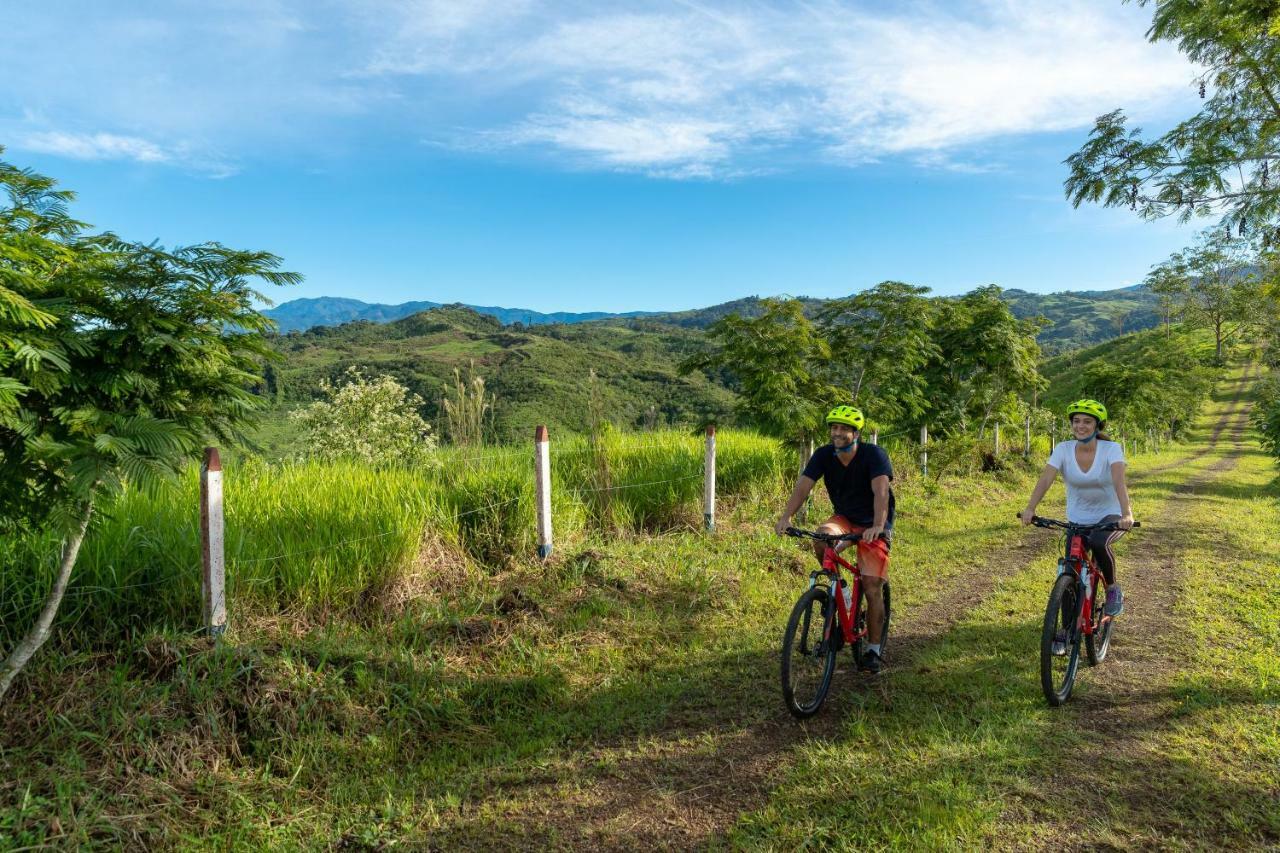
823	537
1066	525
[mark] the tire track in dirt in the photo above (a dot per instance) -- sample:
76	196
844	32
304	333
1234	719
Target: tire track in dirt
1122	700
686	786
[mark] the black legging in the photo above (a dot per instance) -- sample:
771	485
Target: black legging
1099	544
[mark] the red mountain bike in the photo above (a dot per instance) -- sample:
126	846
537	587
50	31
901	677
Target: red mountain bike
1071	615
824	620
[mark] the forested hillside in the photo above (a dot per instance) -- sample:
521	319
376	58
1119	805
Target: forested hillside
538	375
543	373
1075	318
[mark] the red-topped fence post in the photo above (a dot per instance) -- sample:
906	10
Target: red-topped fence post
213	580
542	485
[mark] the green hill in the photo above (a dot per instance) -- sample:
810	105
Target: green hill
539	374
1076	318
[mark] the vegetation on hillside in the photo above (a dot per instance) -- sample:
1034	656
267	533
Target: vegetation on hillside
1155	380
118	361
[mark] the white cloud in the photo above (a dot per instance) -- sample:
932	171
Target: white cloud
95	146
110	146
706	89
670	87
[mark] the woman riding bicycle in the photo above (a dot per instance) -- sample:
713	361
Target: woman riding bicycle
1092	467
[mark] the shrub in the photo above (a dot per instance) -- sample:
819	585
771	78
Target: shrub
374	421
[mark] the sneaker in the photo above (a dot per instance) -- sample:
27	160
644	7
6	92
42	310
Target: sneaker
871	663
1060	644
1115	601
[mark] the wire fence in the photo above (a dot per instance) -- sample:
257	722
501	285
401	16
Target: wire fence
538	494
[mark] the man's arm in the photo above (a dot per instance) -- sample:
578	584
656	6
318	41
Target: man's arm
804	485
880	508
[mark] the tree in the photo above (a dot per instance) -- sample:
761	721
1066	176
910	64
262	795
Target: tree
1212	283
986	363
778	360
880	341
1168	281
1219	160
374	421
118	361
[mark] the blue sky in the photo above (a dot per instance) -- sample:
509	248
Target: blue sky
598	156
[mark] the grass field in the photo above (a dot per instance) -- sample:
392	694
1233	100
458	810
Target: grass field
625	695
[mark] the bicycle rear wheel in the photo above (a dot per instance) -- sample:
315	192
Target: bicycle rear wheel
1058	672
1098	643
808	656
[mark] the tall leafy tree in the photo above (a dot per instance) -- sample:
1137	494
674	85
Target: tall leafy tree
118	361
778	360
1221	160
1213	283
880	341
987	362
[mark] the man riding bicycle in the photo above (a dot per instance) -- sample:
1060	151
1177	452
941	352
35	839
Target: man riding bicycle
857	478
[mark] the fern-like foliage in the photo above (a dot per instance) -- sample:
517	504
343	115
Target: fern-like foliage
118	360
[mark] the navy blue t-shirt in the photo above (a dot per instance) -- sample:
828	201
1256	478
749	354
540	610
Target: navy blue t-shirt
849	486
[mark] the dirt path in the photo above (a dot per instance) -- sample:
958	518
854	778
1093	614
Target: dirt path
1125	700
687	785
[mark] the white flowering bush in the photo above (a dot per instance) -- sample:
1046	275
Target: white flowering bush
374	421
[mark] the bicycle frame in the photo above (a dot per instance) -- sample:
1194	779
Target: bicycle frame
831	564
1079	562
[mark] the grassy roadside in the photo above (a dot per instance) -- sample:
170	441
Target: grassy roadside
552	705
395	726
960	750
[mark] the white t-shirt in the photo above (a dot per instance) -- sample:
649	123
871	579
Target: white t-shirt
1091	495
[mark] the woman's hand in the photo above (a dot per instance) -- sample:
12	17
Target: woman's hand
1126	521
1026	515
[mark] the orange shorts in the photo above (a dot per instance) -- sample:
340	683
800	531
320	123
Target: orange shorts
873	557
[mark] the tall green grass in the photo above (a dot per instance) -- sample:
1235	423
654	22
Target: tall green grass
316	536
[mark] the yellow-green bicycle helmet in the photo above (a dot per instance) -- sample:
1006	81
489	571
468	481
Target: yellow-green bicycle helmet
846	415
1088	407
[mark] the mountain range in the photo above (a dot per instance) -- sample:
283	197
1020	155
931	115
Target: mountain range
1077	318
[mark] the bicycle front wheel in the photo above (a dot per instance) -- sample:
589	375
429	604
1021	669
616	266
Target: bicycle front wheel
1098	643
809	652
1058	671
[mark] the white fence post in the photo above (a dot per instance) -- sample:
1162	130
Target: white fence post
1026	441
709	480
875	436
542	484
997	440
924	450
213	586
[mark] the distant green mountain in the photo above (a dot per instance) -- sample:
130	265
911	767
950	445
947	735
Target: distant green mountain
1076	318
1086	317
540	374
298	315
540	371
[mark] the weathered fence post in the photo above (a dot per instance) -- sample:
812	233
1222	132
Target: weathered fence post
213	586
1026	441
542	484
709	480
924	450
875	436
997	440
